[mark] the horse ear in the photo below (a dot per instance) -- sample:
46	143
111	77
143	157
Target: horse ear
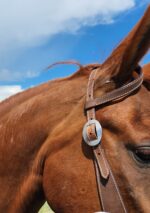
146	71
127	55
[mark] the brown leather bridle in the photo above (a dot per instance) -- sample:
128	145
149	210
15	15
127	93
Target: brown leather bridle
109	193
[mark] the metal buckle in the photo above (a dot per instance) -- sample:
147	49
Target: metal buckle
98	130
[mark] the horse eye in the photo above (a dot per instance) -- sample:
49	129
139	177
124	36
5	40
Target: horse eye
142	154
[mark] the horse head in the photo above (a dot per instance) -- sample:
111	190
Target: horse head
126	122
125	138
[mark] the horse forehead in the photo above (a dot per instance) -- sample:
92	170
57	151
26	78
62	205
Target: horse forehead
131	108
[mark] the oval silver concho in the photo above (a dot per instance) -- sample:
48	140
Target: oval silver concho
98	130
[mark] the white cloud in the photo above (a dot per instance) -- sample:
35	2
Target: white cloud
7	91
30	22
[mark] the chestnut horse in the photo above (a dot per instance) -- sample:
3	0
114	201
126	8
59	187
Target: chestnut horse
42	155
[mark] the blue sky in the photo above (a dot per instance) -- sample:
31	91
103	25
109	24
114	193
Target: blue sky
36	33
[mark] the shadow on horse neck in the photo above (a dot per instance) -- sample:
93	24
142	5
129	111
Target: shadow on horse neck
42	153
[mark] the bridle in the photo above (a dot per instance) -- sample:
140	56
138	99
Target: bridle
109	194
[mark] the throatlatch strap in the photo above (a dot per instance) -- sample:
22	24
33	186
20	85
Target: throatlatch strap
109	194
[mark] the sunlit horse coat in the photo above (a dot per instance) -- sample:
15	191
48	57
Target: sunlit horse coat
42	156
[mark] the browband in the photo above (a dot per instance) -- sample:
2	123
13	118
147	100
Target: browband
121	92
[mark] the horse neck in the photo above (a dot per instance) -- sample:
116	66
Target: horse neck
27	122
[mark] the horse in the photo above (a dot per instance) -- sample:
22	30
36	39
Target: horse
42	152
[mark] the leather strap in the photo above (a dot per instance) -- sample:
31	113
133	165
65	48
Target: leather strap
109	194
115	94
101	162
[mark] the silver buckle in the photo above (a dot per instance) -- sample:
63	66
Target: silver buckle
98	130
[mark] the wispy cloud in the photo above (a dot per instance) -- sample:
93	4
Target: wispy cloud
7	91
7	75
